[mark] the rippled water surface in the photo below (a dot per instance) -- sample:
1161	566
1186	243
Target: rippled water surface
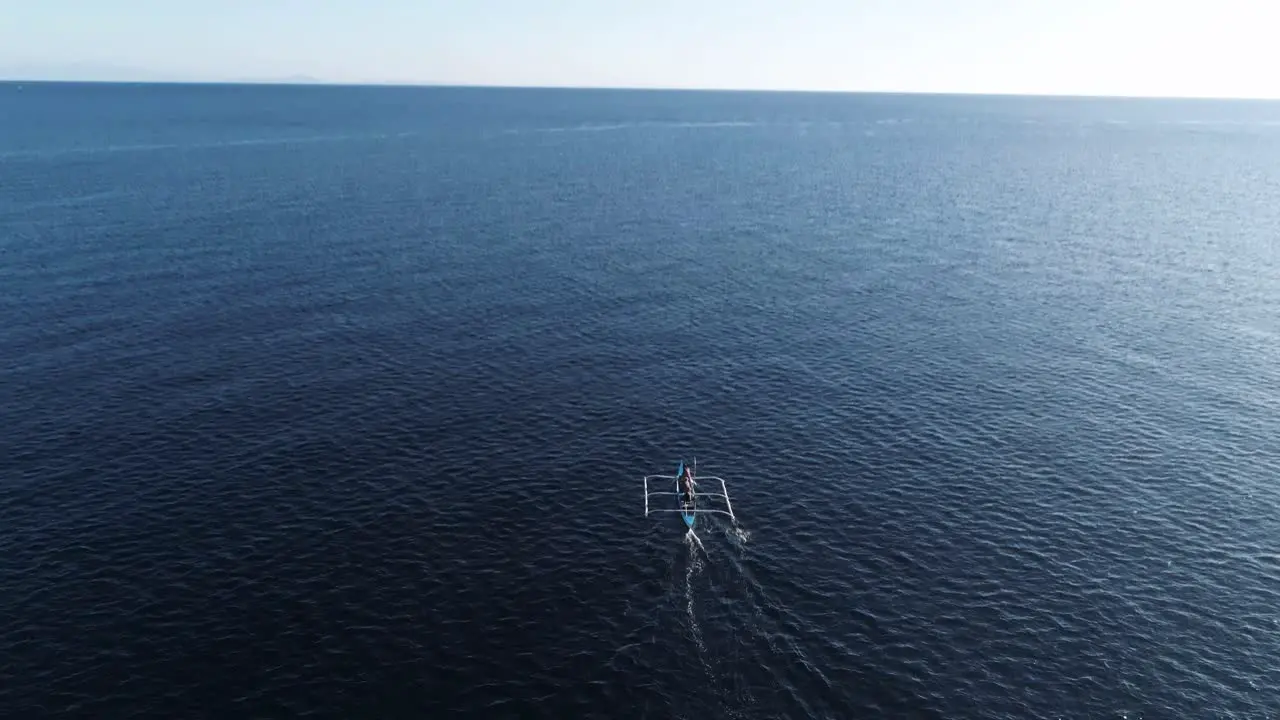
334	402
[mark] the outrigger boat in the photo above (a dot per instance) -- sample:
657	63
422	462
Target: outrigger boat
688	502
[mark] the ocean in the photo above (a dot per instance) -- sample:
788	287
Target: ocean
336	402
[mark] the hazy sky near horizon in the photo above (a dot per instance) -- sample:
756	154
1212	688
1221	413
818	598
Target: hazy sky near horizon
1215	48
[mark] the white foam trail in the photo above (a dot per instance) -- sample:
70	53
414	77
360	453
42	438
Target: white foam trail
695	540
758	600
695	564
736	535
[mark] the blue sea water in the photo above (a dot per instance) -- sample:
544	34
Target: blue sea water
335	402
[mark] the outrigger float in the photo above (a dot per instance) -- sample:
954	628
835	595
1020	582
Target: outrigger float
688	503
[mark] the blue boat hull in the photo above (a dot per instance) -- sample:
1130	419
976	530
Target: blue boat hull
688	517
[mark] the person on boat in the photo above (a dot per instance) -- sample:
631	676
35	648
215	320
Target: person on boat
688	483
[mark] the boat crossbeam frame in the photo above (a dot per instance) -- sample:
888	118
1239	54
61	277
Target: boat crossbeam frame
724	493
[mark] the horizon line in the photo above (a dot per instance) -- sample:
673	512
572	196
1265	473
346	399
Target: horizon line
306	81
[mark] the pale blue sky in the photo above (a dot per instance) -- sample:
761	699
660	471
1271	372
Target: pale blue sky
1223	48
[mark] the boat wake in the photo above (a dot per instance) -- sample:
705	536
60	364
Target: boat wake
736	535
731	613
693	541
692	569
